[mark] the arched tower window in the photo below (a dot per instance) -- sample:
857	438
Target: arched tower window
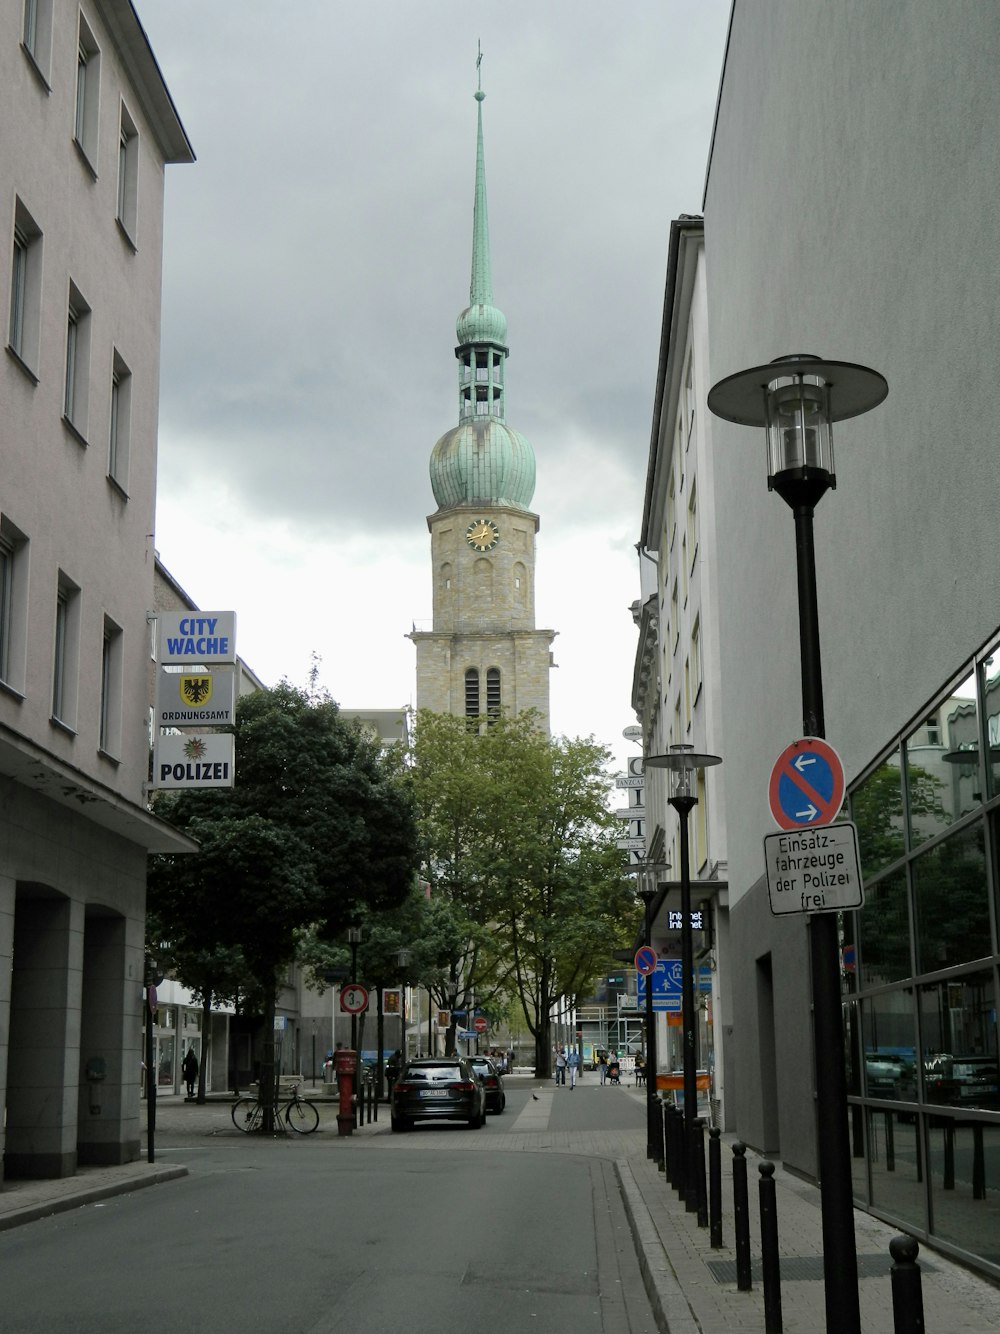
493	692
472	693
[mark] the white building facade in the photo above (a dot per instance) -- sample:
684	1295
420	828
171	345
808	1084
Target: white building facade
852	211
87	131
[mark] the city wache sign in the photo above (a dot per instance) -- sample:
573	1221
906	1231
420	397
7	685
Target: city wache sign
190	693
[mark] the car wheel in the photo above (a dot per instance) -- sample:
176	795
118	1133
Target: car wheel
503	1104
400	1124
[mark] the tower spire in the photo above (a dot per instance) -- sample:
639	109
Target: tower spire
481	286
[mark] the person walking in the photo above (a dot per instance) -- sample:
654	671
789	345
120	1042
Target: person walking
561	1066
189	1069
602	1065
573	1062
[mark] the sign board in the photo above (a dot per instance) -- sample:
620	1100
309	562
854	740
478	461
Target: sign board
353	998
196	636
666	982
204	759
444	1018
645	960
195	699
629	843
814	870
633	733
807	784
392	1000
636	812
633	780
480	1023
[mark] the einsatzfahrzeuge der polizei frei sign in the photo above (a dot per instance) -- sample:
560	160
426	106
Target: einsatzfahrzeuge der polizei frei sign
191	694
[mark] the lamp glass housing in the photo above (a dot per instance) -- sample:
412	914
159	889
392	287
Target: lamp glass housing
680	775
799	427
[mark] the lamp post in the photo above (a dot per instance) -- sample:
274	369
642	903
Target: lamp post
797	399
354	940
647	877
402	960
683	761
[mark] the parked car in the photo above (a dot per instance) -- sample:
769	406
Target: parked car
967	1081
889	1075
496	1099
435	1089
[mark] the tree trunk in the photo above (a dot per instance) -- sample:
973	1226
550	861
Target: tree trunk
266	1088
379	1045
206	1043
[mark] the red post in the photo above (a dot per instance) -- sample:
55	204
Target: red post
345	1064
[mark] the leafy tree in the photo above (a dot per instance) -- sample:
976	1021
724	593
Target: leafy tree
318	828
516	837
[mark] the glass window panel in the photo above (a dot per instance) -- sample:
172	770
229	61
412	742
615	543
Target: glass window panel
959	1029
877	810
951	902
883	926
896	1167
990	688
964	1176
942	765
889	1041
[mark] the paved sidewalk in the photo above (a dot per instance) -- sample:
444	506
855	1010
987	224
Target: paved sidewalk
692	1287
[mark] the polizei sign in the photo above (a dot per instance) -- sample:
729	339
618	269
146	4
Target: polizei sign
814	870
195	760
195	699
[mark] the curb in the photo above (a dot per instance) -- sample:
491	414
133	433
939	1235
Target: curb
671	1309
30	1213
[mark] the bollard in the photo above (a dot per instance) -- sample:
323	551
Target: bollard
668	1148
675	1159
715	1186
701	1192
907	1296
346	1062
680	1176
741	1218
770	1259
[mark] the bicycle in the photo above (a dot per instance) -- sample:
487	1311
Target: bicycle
295	1113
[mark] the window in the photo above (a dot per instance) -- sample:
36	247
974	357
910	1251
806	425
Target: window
696	667
689	400
671	511
25	289
493	692
88	84
128	174
36	35
471	693
674	618
66	652
692	524
13	604
119	430
111	690
75	395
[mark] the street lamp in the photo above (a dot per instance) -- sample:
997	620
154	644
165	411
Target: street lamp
402	961
683	761
354	940
797	399
647	887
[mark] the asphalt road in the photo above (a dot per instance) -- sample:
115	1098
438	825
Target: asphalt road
420	1232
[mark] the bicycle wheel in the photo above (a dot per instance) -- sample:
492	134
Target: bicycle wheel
247	1115
301	1116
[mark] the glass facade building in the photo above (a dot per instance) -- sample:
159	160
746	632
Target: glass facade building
920	967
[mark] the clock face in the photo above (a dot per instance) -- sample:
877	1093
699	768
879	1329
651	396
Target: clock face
482	534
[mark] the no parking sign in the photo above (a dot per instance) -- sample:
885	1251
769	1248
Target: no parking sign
807	784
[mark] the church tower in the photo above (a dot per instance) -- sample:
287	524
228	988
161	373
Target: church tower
483	654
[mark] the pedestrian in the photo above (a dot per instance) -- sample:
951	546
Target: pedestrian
602	1065
573	1061
561	1066
392	1067
189	1069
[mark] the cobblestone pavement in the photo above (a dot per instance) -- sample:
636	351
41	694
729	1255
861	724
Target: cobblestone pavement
692	1287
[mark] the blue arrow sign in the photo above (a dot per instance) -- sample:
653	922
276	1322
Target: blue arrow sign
667	985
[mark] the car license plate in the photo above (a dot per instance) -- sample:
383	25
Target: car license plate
434	1093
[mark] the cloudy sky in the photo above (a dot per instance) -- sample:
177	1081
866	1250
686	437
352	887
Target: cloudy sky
317	255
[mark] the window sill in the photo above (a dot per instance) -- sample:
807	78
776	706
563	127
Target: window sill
7	689
127	236
77	435
36	69
60	726
12	352
117	486
103	754
85	157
